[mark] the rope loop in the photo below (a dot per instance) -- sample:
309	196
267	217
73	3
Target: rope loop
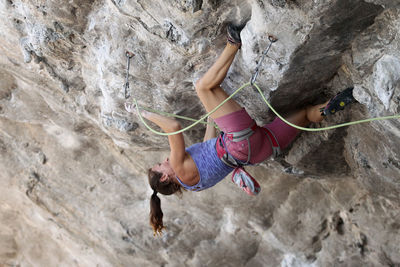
270	106
252	83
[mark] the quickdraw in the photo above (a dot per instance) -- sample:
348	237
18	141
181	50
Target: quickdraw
272	39
129	55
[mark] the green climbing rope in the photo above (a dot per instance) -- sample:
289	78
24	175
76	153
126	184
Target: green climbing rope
176	116
265	100
323	128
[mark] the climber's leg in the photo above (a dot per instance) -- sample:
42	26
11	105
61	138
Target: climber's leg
314	112
318	112
285	133
208	87
307	115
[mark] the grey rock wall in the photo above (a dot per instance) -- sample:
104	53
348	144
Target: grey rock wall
74	188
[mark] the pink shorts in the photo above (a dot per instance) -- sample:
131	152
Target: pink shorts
260	145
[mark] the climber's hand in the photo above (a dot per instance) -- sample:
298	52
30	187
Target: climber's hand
131	108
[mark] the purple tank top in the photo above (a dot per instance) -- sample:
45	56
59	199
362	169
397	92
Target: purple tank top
211	169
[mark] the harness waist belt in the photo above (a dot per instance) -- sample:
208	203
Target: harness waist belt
228	159
243	134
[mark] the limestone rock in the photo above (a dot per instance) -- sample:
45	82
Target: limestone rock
74	187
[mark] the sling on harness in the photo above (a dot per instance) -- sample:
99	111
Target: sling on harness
240	176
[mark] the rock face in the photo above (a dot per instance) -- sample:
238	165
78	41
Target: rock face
74	188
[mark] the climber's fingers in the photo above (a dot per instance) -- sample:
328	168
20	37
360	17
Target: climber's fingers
130	107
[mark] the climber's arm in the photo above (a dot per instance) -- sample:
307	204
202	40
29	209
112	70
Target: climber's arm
210	130
176	141
168	125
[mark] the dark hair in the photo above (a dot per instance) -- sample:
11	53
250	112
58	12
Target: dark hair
165	188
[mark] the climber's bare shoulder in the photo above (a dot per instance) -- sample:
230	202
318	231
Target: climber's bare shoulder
187	171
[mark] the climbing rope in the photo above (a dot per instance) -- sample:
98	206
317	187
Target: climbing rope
129	56
273	110
323	128
254	85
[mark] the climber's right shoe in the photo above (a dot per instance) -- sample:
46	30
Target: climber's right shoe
233	32
339	102
245	181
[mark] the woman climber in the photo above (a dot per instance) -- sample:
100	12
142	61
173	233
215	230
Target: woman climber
241	142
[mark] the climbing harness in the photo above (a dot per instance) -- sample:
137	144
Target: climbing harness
254	85
276	148
240	176
238	136
223	154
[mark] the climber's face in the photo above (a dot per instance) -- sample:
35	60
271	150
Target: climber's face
166	169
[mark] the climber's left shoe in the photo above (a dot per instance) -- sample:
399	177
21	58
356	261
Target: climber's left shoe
339	102
233	34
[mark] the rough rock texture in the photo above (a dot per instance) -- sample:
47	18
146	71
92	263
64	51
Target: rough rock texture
74	188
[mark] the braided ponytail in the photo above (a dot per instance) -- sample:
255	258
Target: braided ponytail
165	188
156	214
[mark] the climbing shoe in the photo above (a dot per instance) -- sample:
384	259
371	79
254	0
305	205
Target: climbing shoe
339	102
233	32
245	181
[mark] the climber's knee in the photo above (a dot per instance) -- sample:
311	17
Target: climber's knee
200	87
313	114
309	113
203	86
